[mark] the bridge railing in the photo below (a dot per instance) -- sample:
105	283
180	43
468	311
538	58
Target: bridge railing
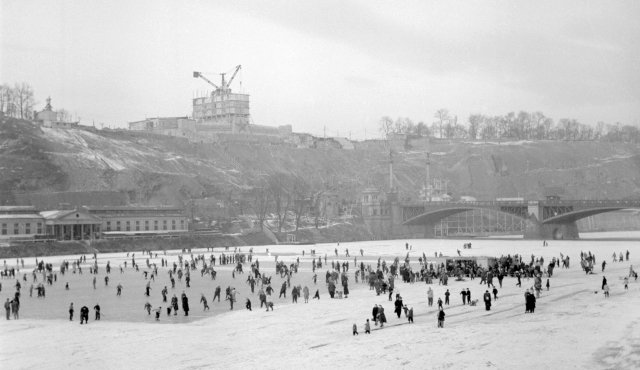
482	203
592	203
497	203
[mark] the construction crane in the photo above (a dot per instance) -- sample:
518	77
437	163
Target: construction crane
224	85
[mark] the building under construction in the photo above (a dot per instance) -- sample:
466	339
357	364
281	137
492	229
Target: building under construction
222	108
219	115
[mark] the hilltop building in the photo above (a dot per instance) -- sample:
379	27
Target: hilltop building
48	118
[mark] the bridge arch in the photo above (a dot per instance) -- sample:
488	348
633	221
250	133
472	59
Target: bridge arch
432	217
582	213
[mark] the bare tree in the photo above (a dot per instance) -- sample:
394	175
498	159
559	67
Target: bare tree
443	117
386	125
281	197
24	100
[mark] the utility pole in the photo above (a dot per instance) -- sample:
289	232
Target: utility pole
427	188
390	171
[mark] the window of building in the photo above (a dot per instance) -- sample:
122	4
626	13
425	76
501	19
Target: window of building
173	224
155	224
27	228
108	225
164	224
117	225
128	225
16	229
181	224
146	225
39	228
137	225
4	229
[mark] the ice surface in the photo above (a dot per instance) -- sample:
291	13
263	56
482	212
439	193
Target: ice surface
574	326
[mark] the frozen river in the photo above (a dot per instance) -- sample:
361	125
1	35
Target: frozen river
574	326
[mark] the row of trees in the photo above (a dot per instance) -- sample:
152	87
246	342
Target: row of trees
282	195
17	101
521	126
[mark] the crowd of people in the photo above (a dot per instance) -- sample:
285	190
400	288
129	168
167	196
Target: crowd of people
380	276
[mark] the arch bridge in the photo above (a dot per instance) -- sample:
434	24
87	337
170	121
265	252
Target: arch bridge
545	219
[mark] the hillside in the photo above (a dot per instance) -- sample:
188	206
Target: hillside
120	167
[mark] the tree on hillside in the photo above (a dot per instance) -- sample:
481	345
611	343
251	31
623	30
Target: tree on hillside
442	116
386	125
301	199
475	121
421	129
23	98
6	100
261	199
281	196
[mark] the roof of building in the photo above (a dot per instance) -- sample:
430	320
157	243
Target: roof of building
17	208
132	208
20	216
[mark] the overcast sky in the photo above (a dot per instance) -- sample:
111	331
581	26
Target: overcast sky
329	63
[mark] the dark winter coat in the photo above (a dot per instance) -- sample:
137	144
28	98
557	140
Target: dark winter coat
185	303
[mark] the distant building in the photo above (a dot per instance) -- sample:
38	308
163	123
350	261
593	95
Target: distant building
170	126
48	118
140	220
20	222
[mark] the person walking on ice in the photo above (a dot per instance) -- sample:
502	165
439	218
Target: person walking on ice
367	326
355	329
441	318
203	300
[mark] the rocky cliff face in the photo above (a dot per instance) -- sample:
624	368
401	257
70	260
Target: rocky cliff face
151	169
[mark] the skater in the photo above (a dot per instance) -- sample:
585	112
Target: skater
147	306
248	304
367	326
487	300
355	329
96	308
216	293
606	290
119	290
203	300
430	296
7	308
158	310
382	318
84	315
71	312
185	304
495	293
410	315
604	282
305	294
463	293
626	283
446	297
398	305
548	285
174	304
232	297
441	318
440	303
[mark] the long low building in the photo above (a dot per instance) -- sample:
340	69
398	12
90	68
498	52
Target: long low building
87	223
